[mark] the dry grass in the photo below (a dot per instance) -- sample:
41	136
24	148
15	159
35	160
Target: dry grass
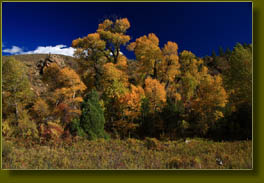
129	154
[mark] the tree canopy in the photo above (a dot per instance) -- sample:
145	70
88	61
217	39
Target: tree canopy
162	92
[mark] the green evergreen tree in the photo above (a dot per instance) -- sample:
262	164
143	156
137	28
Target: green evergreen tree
238	82
92	119
213	54
245	45
221	51
228	52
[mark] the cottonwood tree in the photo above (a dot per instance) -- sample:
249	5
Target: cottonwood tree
115	85
16	86
131	103
66	88
170	66
96	49
17	94
203	95
148	54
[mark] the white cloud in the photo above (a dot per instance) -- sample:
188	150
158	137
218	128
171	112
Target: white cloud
58	49
13	50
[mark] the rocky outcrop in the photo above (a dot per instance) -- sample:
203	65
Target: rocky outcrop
48	60
35	64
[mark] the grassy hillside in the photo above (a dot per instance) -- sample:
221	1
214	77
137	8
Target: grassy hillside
34	58
129	154
31	61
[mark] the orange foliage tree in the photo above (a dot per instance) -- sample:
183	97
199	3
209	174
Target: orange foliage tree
170	66
66	87
203	95
95	49
131	103
148	54
210	98
115	85
160	74
156	94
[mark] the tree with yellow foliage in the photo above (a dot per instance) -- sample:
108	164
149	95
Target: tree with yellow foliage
148	54
160	78
96	49
115	85
170	66
153	103
156	94
40	110
16	87
67	88
91	55
114	35
169	70
203	95
17	96
131	103
208	103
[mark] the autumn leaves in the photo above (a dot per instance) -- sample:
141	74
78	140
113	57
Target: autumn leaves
160	93
159	74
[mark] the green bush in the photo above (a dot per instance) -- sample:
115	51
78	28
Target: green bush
92	119
76	129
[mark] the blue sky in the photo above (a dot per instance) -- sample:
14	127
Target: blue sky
197	27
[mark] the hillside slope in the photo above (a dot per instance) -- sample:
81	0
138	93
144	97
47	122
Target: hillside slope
31	61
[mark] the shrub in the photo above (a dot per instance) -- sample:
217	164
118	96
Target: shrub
51	131
174	162
7	127
25	127
152	143
7	148
92	119
76	129
132	142
186	162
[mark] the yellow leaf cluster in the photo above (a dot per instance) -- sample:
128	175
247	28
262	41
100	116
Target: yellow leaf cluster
210	95
67	88
115	81
69	78
114	31
121	25
121	62
111	73
132	102
41	108
156	93
147	51
170	66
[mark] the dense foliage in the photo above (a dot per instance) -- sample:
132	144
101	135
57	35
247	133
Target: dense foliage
92	119
161	94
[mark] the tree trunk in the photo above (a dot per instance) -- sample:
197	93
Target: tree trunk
97	74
